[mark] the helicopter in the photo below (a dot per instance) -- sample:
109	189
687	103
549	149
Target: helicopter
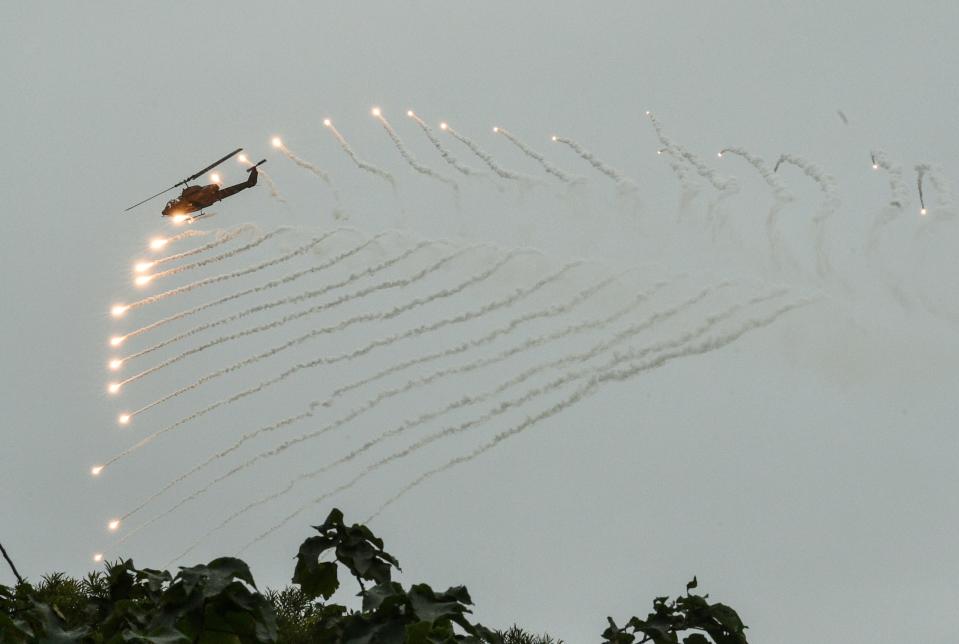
194	198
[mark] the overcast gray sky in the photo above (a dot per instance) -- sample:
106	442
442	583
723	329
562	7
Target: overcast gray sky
807	474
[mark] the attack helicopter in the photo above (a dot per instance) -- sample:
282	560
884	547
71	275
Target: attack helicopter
196	198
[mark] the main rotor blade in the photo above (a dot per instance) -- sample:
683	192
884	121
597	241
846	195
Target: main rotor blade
210	167
148	198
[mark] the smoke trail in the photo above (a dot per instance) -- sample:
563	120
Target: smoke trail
222	237
467	400
621	182
274	192
362	165
186	288
338	212
675	155
830	203
446	154
924	170
488	160
406	154
259	308
300	314
595	376
548	312
534	342
771	178
582	392
258	289
679	169
714	178
211	260
897	185
536	156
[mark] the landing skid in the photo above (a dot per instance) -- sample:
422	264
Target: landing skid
202	215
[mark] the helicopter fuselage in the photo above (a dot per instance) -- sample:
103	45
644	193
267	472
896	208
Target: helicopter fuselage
194	198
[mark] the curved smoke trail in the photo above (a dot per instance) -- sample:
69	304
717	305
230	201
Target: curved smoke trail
446	154
267	326
674	154
292	299
621	181
488	160
771	178
408	156
830	204
588	389
593	375
360	163
319	172
714	178
222	237
472	366
924	170
218	258
536	156
258	289
897	185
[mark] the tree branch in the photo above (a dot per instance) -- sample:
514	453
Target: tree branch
9	561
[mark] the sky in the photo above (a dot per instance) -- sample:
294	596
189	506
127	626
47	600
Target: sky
804	473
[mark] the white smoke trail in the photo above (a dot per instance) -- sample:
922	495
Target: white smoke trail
186	288
594	376
943	192
324	176
715	179
548	312
218	258
621	181
830	204
258	289
446	154
303	313
186	234
361	164
771	178
897	184
488	160
536	156
292	299
408	156
533	342
674	154
274	191
222	237
582	392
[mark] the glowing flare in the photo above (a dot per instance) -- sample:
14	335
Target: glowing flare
444	126
117	340
113	525
98	557
179	219
277	142
96	469
123	419
375	111
143	267
113	387
719	154
495	129
143	280
215	178
118	309
875	166
116	364
410	113
554	138
923	211
327	122
158	243
242	159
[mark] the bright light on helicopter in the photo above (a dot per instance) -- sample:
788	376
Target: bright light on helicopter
277	142
113	387
116	340
180	218
215	178
123	419
143	280
118	309
116	364
158	243
375	111
113	525
143	267
96	469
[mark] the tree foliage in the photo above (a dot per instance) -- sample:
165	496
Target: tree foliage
219	603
